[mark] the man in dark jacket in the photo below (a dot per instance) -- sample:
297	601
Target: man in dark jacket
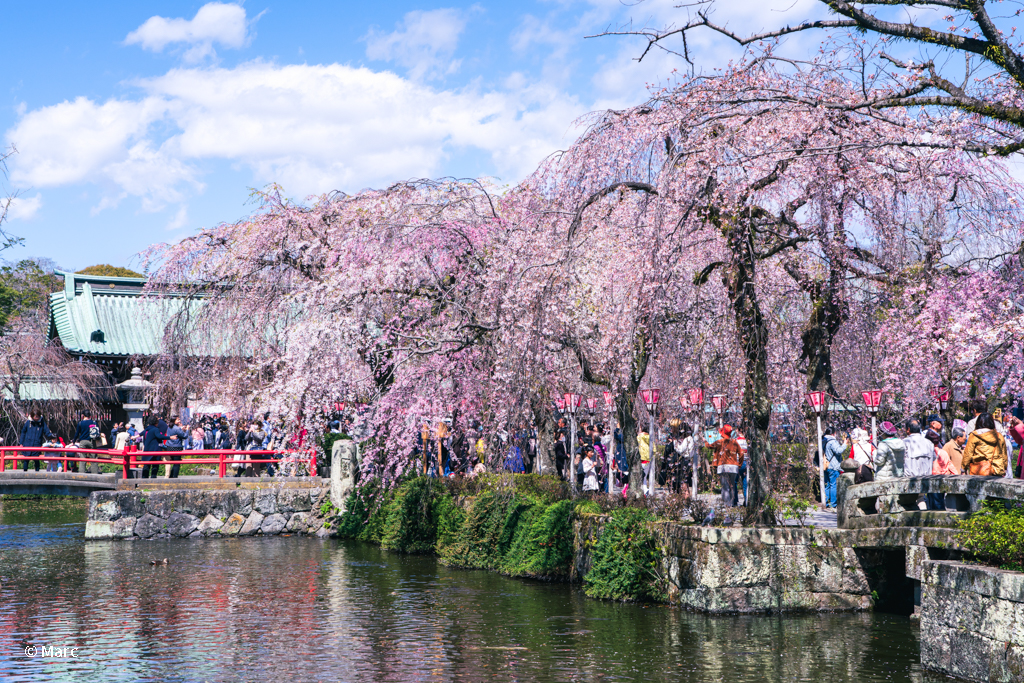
33	433
86	435
175	443
152	442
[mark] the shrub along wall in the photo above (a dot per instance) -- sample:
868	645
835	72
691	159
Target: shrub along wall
518	526
995	535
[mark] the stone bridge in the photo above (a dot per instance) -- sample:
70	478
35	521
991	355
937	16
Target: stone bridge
895	502
55	483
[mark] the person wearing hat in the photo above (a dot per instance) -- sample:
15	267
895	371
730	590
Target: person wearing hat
934	431
890	454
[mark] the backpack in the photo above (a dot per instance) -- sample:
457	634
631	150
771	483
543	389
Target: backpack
94	432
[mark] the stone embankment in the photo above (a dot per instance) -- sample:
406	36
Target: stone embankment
783	569
972	621
264	511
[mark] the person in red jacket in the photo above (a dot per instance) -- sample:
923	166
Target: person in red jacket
727	458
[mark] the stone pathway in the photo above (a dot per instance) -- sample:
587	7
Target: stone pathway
818	517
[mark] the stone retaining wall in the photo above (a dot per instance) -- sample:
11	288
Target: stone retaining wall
783	569
764	570
972	621
206	513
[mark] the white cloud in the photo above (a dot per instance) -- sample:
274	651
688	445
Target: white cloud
180	219
108	202
109	143
24	208
423	43
312	128
215	22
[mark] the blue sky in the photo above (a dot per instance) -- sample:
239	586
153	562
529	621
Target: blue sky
138	123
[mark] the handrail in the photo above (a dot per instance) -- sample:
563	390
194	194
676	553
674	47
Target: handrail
129	458
890	501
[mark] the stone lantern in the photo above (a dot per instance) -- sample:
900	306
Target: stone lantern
136	389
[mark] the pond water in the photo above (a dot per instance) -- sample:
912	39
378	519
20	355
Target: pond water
302	609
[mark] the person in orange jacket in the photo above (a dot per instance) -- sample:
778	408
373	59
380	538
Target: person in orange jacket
727	458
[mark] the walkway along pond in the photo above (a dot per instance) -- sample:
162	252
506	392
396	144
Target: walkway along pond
523	527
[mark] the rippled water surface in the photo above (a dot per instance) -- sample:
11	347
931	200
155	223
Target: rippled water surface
301	609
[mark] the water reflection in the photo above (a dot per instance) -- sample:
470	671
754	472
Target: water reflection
301	609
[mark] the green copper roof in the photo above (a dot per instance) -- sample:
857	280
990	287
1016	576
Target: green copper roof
108	316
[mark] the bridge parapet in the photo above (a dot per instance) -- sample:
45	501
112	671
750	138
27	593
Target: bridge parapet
55	483
894	502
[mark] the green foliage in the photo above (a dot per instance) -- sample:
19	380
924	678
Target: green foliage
327	508
25	287
626	559
790	453
588	507
488	531
995	535
410	525
546	488
365	512
517	535
328	444
797	508
543	545
107	270
449	518
516	525
792	508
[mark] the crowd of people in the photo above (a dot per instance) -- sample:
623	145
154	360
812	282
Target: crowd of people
596	461
990	444
597	458
982	446
162	440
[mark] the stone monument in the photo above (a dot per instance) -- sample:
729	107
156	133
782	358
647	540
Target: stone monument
135	390
344	465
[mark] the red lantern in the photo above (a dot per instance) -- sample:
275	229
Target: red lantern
816	399
718	401
609	400
696	397
650	397
872	399
591	405
941	395
572	402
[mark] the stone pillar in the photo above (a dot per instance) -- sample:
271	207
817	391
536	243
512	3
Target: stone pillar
344	464
843	511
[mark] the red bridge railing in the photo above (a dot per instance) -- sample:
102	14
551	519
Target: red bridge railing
128	459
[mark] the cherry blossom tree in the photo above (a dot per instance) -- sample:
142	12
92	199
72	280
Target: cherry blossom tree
716	234
984	79
750	189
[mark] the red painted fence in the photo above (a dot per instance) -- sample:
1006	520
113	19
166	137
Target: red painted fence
129	459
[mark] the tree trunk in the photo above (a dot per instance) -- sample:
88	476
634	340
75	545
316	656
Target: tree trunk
544	423
625	404
753	337
827	315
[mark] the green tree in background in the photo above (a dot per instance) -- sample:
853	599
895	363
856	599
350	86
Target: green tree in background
107	270
25	288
